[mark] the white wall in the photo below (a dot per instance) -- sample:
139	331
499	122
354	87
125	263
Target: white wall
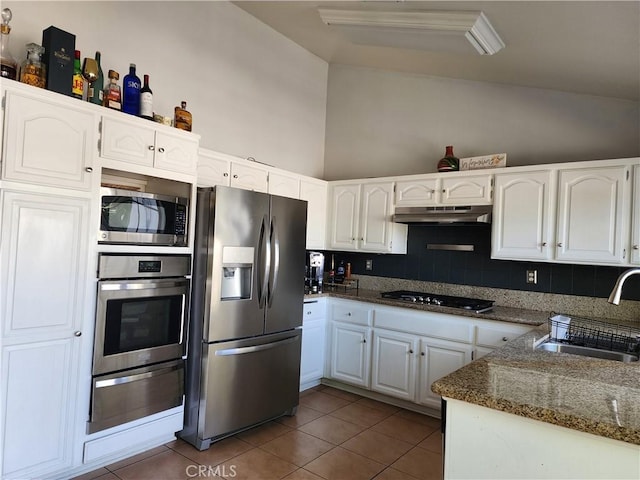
251	91
382	123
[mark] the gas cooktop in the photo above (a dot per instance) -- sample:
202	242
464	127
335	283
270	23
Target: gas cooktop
473	304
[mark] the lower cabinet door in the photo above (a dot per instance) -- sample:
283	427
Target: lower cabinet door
350	353
312	356
394	364
439	358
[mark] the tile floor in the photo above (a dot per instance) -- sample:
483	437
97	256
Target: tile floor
335	435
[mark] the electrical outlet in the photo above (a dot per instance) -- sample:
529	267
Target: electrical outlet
532	276
368	265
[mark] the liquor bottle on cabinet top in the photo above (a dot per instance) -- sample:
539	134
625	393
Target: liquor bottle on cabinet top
33	71
449	163
146	100
78	88
8	65
131	92
95	90
112	96
182	118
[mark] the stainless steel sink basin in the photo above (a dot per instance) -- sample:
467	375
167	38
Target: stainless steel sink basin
586	351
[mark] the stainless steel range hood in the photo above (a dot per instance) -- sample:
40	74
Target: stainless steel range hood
444	215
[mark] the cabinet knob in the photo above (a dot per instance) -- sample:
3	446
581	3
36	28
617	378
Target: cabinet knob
505	339
636	247
235	176
88	169
225	174
362	239
308	313
422	353
78	333
161	150
560	244
364	340
348	314
151	147
410	351
544	244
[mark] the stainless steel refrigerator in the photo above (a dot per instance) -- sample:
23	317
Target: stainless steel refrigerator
243	358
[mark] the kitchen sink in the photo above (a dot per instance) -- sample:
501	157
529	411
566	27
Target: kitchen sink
586	351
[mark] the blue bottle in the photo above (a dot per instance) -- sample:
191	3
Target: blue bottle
131	92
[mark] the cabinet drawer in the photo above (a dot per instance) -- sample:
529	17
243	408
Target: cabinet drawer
498	335
351	312
313	309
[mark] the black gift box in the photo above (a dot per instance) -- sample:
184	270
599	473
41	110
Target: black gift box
59	48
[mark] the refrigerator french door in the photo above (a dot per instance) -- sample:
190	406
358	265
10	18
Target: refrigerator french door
245	331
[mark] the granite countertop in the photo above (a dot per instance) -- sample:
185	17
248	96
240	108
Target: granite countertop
572	391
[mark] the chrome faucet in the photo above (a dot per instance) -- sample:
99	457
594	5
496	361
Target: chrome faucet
617	289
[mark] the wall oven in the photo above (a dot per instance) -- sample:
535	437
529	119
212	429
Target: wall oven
139	344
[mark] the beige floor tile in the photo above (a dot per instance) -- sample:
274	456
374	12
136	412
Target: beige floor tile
419	418
302	474
263	433
403	429
331	429
94	474
336	392
420	463
377	446
433	442
257	464
360	414
217	453
341	464
137	458
385	407
322	402
297	447
304	415
163	466
393	474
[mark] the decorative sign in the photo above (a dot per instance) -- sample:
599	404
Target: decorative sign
487	161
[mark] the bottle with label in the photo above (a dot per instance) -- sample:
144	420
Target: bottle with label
112	95
8	65
33	71
131	92
182	118
146	100
78	87
96	89
339	278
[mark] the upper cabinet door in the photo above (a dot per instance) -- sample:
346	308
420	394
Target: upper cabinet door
127	142
48	143
345	208
175	152
315	193
212	170
375	216
593	212
417	193
522	216
249	177
473	190
284	185
635	235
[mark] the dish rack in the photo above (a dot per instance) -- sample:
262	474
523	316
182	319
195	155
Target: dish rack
594	333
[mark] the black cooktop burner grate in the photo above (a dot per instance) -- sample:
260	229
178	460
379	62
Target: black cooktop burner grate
473	304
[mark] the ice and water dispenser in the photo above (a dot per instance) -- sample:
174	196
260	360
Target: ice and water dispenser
237	270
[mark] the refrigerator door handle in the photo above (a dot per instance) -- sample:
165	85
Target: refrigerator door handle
254	348
275	244
264	263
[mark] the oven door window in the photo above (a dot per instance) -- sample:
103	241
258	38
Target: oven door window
139	323
138	215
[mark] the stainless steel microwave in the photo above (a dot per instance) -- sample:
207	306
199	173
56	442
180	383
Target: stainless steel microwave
138	218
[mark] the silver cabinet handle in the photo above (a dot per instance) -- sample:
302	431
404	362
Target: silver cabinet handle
88	169
78	333
151	147
161	150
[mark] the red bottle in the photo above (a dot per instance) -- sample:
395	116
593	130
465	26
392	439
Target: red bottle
449	163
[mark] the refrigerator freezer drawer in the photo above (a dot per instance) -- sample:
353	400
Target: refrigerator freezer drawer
248	382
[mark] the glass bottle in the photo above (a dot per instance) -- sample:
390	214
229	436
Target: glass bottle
33	70
449	163
146	100
95	94
182	118
8	65
112	96
78	87
131	92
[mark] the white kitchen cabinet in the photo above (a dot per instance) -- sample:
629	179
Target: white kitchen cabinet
360	219
393	365
48	142
419	192
284	185
133	142
523	214
315	193
491	335
313	343
437	359
635	207
249	177
213	169
350	353
593	215
44	297
467	190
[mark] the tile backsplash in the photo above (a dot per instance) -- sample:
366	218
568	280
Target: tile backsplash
476	267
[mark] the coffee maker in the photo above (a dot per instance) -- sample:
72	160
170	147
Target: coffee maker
314	272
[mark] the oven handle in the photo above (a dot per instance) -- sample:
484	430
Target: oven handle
104	286
134	378
255	348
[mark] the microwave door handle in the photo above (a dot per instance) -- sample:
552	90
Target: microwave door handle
264	263
276	260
